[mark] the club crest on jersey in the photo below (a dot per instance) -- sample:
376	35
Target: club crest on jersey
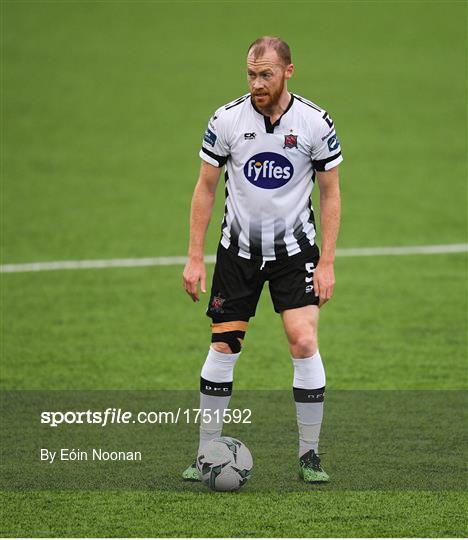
290	141
268	170
217	304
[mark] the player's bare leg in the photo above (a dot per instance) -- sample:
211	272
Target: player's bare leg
300	325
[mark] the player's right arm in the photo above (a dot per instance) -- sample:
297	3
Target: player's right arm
202	207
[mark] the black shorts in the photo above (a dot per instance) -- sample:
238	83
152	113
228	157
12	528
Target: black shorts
238	283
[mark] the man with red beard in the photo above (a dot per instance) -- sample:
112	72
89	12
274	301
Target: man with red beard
275	146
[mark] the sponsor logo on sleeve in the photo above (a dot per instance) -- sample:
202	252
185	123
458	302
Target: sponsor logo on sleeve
333	143
268	170
249	136
210	137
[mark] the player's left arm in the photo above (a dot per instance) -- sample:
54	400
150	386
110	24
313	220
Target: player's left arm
330	212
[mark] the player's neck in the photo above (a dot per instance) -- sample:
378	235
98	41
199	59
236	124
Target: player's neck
277	109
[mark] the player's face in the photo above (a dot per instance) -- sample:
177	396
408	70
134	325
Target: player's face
266	76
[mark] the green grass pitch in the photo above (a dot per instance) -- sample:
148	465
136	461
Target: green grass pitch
103	108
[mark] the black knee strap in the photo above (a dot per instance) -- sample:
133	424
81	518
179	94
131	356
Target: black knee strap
231	338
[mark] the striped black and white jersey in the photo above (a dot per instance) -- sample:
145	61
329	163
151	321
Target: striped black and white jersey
270	173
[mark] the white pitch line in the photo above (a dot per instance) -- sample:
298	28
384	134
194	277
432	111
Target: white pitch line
173	261
402	250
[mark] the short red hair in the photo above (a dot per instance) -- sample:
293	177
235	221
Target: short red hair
260	45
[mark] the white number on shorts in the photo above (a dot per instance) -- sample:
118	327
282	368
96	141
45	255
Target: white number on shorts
310	268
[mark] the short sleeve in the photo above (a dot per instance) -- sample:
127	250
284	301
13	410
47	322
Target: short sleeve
215	149
326	149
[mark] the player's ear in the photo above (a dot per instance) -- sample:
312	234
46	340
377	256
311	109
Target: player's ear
289	71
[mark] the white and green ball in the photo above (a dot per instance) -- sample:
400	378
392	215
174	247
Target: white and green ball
225	464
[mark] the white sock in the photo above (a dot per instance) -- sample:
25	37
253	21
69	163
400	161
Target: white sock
219	367
215	393
309	372
309	387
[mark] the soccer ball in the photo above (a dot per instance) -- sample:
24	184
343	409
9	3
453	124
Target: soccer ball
225	464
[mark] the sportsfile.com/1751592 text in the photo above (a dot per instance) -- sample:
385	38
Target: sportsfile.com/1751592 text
117	416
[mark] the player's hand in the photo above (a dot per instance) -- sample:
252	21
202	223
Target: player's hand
324	281
194	273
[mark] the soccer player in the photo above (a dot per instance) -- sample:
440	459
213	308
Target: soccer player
275	145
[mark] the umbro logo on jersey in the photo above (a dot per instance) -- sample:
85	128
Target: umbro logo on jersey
249	136
268	170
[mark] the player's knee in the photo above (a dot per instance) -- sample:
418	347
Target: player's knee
227	337
303	346
227	342
221	347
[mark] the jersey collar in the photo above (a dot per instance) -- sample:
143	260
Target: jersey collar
269	127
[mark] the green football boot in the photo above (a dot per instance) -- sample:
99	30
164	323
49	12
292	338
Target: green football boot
310	469
191	473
